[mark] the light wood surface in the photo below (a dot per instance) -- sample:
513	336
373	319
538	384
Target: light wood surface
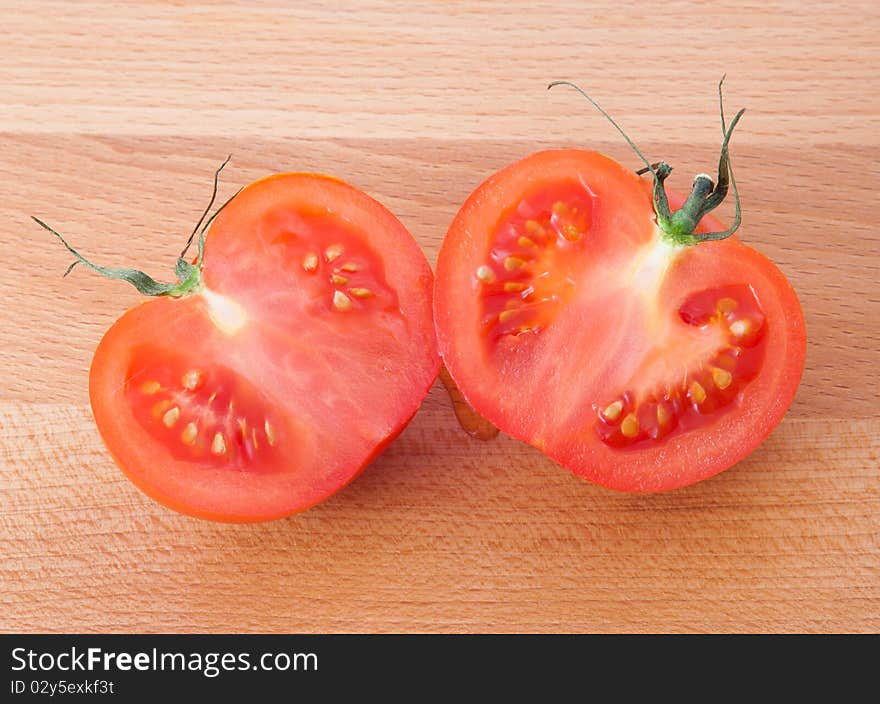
112	119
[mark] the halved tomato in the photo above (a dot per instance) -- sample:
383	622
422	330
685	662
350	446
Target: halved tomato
572	321
303	346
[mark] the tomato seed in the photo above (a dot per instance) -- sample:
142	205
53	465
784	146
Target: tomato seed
612	410
484	273
218	445
697	392
722	378
663	415
189	434
150	387
270	433
533	227
191	380
341	302
159	409
630	426
740	328
310	262
570	232
333	252
726	305
171	416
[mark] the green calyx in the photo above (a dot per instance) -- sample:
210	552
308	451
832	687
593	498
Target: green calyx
678	228
189	276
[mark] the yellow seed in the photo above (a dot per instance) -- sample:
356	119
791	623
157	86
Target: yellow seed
171	416
218	444
484	273
570	232
270	433
630	426
254	436
514	286
560	208
663	415
533	227
310	262
612	410
525	242
725	361
740	327
159	409
333	251
722	378
349	267
189	433
191	380
338	280
341	301
513	263
360	292
211	398
726	305
697	392
506	315
150	387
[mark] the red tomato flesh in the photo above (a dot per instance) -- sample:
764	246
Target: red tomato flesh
308	348
569	322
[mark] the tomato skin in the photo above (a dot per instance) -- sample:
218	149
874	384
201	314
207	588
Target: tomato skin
335	384
545	385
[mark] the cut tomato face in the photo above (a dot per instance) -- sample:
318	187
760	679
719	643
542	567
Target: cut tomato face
569	320
306	347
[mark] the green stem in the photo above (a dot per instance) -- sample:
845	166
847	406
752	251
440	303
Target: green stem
189	276
679	227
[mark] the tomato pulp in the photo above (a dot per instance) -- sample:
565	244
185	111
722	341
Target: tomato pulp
306	347
569	320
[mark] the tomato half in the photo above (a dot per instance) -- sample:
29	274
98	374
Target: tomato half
307	347
569	321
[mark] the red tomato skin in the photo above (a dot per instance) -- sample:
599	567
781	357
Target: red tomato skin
240	496
492	394
131	458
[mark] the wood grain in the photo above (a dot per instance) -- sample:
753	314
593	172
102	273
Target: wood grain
112	119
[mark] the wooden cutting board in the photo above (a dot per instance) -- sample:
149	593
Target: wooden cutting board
112	119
